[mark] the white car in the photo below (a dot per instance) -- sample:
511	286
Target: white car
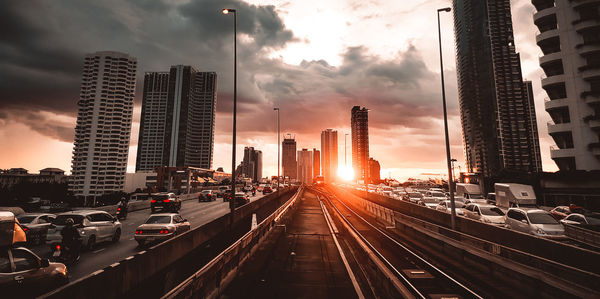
430	202
93	226
436	194
577	219
445	206
159	227
534	221
485	213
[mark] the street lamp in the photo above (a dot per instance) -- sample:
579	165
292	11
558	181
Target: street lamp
278	146
448	159
231	200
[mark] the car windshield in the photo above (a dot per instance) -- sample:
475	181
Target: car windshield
61	219
25	219
160	196
457	204
491	211
476	196
437	194
158	220
541	218
429	200
415	195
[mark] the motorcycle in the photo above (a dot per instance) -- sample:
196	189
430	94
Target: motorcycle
121	213
65	254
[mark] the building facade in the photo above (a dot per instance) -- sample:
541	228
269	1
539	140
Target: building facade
15	176
569	35
288	157
103	127
305	166
374	171
178	119
498	130
316	162
329	155
251	165
359	123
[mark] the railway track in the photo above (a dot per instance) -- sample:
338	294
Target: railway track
420	278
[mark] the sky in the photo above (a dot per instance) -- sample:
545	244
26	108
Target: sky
313	59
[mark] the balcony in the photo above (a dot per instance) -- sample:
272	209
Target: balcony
554	104
546	35
552	57
589	73
552	80
579	3
594	124
556	152
585	24
543	13
558	128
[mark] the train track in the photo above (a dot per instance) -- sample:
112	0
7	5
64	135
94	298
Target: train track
420	277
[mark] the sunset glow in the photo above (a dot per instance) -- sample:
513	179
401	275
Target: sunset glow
345	173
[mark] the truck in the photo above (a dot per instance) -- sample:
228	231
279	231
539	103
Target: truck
469	191
512	194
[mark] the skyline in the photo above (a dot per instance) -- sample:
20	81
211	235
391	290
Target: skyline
387	76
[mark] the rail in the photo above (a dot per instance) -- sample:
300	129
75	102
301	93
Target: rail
583	235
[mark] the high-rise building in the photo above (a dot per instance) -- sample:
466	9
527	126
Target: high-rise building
305	163
329	155
251	165
569	34
316	162
105	109
359	123
289	164
495	109
178	119
374	171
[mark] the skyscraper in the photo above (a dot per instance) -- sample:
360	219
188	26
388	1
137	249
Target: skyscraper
289	164
329	155
569	33
103	126
305	163
374	171
251	165
316	162
359	123
495	109
178	119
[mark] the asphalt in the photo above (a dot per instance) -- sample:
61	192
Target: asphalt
300	262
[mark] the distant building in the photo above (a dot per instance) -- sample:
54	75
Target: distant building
178	119
103	127
569	34
288	157
495	109
251	165
359	123
329	155
374	171
316	162
142	180
305	163
15	176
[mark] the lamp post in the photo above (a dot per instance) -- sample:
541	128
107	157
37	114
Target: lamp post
448	159
453	161
231	200
278	146
345	146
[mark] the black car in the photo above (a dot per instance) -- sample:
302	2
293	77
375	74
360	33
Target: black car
165	202
207	195
240	199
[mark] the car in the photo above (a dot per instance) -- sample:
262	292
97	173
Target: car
578	219
485	213
207	195
36	226
436	194
445	206
227	195
165	202
94	226
430	202
159	227
221	190
24	274
413	197
534	221
267	190
560	212
240	199
247	188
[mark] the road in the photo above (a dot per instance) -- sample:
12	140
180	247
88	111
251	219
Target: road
105	254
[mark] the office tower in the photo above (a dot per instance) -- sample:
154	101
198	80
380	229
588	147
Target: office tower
569	34
316	162
305	163
533	129
329	155
178	119
374	171
290	167
359	123
103	125
495	109
251	165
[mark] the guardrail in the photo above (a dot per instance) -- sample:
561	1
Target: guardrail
158	264
583	235
214	276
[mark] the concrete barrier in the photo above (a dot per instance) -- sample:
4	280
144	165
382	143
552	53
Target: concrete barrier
156	263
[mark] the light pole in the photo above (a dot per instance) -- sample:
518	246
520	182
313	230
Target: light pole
278	146
231	200
453	161
345	146
448	159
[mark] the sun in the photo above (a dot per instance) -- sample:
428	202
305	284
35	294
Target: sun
345	173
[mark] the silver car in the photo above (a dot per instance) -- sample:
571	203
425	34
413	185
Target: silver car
160	227
36	226
485	213
93	226
445	206
534	221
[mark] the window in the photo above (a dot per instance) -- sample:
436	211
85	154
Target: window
576	218
541	218
4	262
24	260
97	217
178	219
516	215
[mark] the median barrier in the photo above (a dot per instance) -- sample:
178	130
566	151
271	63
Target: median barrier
158	264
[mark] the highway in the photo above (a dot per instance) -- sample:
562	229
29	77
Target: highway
105	254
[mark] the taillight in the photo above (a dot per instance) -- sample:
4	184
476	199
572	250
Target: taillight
57	247
153	201
137	232
166	231
118	209
166	200
25	229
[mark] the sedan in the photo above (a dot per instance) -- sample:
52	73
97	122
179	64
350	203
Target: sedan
485	213
160	227
578	219
240	199
207	195
534	221
36	226
93	226
446	206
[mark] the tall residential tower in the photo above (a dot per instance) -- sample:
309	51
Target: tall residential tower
329	155
359	123
288	157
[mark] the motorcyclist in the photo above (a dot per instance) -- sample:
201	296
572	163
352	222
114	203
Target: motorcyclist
71	239
123	208
253	191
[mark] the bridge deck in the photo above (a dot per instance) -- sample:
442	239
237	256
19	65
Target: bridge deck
301	262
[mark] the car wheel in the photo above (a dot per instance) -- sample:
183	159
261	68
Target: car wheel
117	236
91	243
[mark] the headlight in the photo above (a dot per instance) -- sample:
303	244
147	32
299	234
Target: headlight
540	231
